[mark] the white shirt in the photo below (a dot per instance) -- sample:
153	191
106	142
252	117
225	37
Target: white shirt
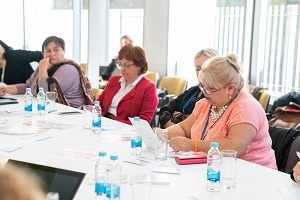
121	93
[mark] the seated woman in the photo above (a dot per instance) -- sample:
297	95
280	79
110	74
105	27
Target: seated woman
295	174
55	73
15	64
130	94
228	115
181	107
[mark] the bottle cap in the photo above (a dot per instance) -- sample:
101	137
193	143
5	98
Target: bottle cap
102	153
28	89
136	118
41	89
113	157
214	144
96	103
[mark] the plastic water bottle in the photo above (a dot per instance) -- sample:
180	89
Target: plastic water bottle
96	123
28	102
113	187
214	160
136	137
101	176
41	101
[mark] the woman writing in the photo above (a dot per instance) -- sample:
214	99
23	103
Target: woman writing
228	115
130	94
55	73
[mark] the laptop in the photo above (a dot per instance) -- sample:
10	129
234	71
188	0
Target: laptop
148	135
7	100
65	182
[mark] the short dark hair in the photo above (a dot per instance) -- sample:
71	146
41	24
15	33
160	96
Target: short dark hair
56	40
136	54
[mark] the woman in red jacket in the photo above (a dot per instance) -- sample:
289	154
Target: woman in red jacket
131	93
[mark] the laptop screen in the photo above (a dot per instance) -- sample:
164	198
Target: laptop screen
65	182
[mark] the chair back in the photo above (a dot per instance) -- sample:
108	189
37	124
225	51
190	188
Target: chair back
153	76
96	92
173	84
262	96
83	67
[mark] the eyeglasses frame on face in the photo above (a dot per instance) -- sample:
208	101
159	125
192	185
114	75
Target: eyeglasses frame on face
208	91
126	66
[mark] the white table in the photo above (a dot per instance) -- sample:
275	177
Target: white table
253	181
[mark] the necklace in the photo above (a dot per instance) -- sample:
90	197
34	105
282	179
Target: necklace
216	115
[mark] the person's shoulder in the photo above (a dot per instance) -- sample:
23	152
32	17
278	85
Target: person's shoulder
115	77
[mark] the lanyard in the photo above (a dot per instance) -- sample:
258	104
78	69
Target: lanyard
188	102
204	129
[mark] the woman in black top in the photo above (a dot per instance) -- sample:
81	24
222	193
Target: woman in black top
181	107
15	64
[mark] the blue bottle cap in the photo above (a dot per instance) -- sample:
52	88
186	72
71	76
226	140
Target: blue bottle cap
102	153
28	89
41	89
113	157
136	118
96	103
214	144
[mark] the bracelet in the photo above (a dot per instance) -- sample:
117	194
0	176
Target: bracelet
196	145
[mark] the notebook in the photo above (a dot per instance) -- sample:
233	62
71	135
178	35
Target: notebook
65	182
7	100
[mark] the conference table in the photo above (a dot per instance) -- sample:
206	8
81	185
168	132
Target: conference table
60	141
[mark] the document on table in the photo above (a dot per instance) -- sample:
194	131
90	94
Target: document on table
76	154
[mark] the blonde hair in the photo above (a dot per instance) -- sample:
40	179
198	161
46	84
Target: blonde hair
206	52
16	184
221	71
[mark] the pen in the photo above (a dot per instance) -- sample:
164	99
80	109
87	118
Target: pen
298	154
51	111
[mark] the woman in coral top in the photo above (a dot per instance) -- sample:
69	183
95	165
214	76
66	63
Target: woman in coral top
228	115
130	94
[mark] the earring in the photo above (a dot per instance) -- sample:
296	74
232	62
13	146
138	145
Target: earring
229	97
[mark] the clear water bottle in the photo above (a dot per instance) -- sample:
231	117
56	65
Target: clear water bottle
41	101
136	137
101	176
96	123
113	187
214	160
28	102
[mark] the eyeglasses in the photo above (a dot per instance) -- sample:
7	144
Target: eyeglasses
125	65
209	92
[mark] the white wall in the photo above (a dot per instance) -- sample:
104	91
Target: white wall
156	17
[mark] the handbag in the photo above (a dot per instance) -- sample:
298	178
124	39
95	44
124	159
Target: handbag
287	118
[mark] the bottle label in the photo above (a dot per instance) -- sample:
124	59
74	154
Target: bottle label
136	142
28	108
96	122
41	107
212	175
100	188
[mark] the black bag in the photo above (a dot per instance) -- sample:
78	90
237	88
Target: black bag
162	97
